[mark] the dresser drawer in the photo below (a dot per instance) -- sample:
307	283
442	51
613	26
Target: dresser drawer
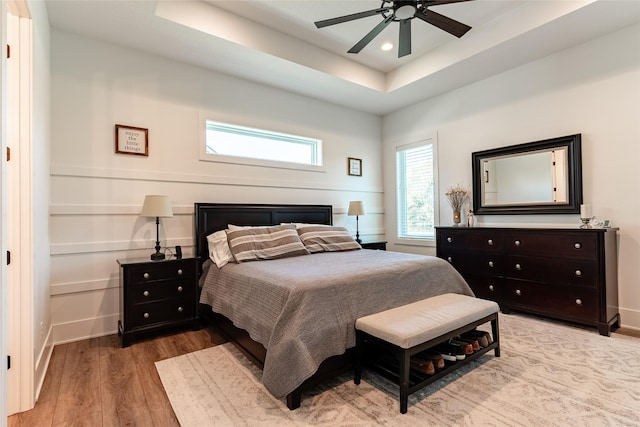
552	270
144	273
566	302
575	245
161	289
478	263
487	287
484	240
161	311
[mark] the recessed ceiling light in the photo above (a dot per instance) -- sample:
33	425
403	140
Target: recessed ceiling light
386	46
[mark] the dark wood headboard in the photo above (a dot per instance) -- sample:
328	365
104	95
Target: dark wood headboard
212	217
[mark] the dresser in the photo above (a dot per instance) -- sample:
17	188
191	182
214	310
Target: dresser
563	273
156	295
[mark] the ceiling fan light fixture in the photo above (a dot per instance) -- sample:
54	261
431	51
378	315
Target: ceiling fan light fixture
405	10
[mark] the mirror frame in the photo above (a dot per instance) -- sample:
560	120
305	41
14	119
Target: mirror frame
574	176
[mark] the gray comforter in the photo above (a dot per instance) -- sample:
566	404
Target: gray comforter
303	309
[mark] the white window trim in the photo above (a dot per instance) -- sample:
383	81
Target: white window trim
425	242
208	157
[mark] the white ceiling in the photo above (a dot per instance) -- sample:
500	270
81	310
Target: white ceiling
275	42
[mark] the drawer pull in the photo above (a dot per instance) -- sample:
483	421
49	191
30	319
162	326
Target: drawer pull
491	288
577	245
449	259
517	243
578	273
490	242
518	267
146	315
146	275
179	288
180	309
145	293
578	302
180	272
449	239
518	292
491	264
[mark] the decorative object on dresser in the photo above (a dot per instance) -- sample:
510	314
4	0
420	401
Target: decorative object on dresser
585	216
380	246
157	206
563	273
457	196
156	295
356	208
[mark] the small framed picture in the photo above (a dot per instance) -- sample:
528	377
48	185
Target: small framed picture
132	140
354	166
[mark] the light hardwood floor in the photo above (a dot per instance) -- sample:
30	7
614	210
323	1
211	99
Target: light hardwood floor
96	383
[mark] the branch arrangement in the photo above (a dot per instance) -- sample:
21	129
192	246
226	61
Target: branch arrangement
456	196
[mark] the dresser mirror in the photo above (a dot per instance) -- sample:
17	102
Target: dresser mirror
536	177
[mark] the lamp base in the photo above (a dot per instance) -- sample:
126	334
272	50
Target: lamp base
157	256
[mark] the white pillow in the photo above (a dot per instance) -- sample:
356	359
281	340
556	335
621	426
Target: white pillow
219	251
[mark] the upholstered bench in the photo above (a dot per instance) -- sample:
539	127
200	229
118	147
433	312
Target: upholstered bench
413	328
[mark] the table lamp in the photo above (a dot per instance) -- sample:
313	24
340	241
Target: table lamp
356	208
157	206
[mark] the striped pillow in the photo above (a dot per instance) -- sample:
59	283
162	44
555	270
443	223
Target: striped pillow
255	243
326	238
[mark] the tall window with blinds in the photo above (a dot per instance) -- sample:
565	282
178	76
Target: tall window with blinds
415	168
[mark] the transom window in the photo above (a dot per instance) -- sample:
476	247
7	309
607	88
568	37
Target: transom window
240	144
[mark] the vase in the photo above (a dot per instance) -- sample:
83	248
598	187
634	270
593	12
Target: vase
456	217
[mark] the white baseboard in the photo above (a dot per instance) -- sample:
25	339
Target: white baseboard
42	363
85	328
629	319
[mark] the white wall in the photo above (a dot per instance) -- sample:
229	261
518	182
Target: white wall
40	161
96	195
592	89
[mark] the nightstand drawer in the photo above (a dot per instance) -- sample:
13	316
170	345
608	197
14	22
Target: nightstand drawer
162	289
145	273
380	246
161	311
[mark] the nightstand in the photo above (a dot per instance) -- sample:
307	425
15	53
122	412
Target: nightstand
156	295
380	246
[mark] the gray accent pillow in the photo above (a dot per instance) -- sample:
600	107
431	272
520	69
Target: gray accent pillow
326	238
256	243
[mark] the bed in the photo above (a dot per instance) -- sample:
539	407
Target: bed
294	316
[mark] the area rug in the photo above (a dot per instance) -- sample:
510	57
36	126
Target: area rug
549	374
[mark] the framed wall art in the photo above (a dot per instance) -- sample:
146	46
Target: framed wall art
132	140
354	166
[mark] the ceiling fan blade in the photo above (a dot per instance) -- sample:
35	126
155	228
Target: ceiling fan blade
430	3
449	25
347	18
405	38
371	35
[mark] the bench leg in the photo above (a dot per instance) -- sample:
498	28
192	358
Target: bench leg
404	380
496	335
359	350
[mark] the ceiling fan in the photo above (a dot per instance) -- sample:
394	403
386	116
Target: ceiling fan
402	12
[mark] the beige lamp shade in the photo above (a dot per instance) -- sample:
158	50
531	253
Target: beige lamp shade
157	206
356	208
